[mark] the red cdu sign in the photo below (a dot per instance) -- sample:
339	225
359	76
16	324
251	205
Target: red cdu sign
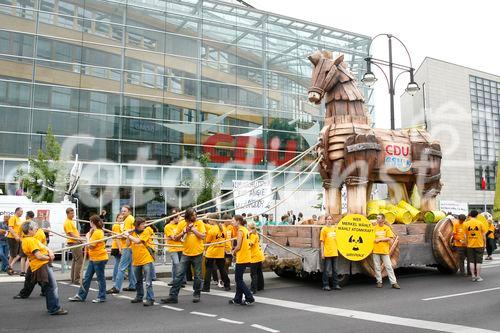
247	149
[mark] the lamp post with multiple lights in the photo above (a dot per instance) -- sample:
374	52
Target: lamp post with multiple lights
369	77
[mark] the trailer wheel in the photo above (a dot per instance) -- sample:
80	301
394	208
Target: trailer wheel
445	269
343	279
285	273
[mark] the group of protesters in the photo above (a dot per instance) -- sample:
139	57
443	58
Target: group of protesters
210	244
213	243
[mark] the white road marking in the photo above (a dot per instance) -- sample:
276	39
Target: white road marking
363	315
491	266
172	308
203	314
11	278
460	294
272	330
62	282
225	320
123	296
93	289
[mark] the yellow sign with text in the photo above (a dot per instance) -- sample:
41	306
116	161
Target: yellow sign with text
355	237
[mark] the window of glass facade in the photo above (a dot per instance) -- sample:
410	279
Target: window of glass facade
168	76
485	101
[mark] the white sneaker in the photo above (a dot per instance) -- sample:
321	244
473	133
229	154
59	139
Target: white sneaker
479	279
221	284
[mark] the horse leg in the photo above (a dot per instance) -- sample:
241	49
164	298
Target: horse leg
333	201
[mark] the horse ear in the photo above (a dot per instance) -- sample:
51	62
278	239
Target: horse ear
314	58
339	59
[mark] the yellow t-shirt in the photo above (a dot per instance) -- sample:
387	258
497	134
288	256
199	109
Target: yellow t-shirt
40	235
474	231
16	224
328	236
128	225
193	246
70	227
117	229
244	255
98	252
228	231
215	235
169	231
140	253
256	253
458	234
382	232
30	245
492	233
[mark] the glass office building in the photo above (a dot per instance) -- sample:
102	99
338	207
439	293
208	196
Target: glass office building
136	86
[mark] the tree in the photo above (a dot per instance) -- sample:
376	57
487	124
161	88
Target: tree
46	169
209	186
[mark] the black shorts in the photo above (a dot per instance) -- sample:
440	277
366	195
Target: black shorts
14	247
475	255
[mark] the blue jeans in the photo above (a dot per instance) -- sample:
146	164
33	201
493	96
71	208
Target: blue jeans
241	287
330	270
96	267
51	292
4	255
116	266
176	259
125	263
139	271
184	265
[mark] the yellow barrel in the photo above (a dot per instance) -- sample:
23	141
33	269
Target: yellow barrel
434	216
402	215
372	209
378	203
390	217
415	213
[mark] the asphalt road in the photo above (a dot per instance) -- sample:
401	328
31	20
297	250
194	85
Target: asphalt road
286	305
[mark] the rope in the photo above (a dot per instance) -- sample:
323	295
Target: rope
292	162
315	164
65	236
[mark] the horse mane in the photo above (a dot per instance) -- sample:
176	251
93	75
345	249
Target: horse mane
345	96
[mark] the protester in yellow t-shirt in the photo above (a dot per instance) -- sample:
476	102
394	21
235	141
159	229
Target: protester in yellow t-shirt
257	257
459	242
141	243
126	256
243	258
77	252
117	244
192	232
381	252
39	257
491	243
214	255
39	235
230	234
14	239
174	245
475	231
98	257
329	254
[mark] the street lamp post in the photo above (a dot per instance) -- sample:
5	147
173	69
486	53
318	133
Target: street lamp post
369	77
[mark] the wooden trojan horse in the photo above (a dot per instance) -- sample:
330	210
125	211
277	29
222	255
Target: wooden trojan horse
357	155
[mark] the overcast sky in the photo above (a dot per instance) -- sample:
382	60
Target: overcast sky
466	33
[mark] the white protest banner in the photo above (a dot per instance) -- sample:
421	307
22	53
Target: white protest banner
252	197
454	207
